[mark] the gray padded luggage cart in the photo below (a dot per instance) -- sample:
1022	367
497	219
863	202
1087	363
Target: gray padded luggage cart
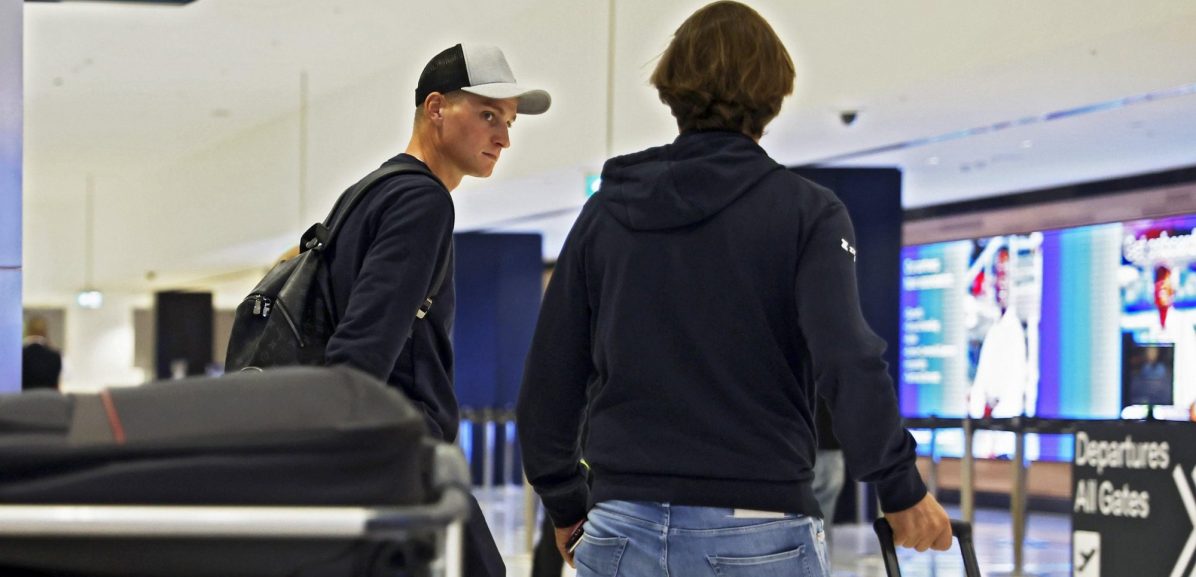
254	541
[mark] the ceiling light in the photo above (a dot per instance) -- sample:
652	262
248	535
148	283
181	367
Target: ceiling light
90	299
1027	143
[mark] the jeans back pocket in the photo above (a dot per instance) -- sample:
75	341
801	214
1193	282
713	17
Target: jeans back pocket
599	556
783	564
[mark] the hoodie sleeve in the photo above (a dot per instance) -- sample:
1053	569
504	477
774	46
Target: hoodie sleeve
396	273
552	399
848	366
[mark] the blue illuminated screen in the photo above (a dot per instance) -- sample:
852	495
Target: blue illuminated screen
1036	324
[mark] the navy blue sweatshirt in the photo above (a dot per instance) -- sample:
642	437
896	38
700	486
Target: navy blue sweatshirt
702	297
382	265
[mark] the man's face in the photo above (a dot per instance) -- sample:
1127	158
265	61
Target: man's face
475	132
1164	293
1001	270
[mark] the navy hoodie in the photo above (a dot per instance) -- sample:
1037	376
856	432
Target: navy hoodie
381	266
703	296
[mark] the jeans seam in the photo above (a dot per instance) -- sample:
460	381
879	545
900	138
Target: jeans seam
823	562
629	518
763	525
664	538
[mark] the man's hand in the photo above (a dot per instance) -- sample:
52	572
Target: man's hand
562	538
923	526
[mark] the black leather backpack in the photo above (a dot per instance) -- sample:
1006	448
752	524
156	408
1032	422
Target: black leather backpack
289	316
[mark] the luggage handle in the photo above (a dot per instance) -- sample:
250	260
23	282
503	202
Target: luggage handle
962	530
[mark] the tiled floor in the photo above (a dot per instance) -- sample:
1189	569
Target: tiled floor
854	551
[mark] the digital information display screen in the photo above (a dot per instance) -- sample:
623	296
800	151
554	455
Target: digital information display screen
1086	322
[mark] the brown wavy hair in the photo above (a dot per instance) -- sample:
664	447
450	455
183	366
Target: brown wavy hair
725	69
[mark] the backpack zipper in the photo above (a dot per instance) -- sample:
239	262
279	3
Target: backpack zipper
261	305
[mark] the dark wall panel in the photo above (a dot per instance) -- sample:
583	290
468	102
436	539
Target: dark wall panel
182	332
498	300
873	199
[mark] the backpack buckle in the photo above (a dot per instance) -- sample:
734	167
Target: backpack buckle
424	308
315	238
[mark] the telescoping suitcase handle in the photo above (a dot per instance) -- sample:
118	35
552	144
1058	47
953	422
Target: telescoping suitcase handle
961	529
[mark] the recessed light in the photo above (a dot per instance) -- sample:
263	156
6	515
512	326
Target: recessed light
933	161
90	299
1027	143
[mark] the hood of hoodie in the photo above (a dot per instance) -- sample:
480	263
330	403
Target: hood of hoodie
682	183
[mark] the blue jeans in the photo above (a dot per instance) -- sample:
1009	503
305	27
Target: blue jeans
637	539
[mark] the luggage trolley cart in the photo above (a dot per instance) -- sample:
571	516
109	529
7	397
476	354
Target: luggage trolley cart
256	541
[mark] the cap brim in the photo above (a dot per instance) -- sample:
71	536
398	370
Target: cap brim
530	101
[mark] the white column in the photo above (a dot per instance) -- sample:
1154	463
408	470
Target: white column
11	105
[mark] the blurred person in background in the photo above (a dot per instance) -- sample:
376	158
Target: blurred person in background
41	363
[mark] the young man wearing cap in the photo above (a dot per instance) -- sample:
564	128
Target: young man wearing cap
388	253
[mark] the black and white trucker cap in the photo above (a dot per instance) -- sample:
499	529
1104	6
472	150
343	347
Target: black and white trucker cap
481	70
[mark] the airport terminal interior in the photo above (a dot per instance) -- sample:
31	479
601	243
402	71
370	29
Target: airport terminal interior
1021	178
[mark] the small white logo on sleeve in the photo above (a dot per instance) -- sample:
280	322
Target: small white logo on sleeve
850	249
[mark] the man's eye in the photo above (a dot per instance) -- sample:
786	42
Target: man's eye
489	116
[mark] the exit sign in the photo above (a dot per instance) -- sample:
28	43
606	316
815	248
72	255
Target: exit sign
593	183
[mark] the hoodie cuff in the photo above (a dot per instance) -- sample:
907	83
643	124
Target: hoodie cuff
901	491
567	506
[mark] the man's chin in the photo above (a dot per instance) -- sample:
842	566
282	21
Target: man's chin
484	171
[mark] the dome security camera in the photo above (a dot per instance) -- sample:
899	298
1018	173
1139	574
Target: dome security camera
847	117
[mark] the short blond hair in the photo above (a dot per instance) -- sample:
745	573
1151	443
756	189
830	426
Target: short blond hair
725	69
449	97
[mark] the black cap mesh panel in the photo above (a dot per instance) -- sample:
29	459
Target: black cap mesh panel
445	73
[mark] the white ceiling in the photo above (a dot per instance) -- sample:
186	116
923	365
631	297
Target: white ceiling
164	106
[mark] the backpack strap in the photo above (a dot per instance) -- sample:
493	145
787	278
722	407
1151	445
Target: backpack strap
321	234
440	274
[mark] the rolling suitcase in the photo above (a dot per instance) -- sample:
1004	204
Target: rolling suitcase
290	472
962	531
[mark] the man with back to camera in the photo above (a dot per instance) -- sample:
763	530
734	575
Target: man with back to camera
386	257
703	297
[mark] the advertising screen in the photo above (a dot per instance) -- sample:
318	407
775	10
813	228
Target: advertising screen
1087	322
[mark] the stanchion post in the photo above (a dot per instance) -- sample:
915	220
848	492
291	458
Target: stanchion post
465	438
509	475
488	454
530	526
861	503
1018	497
933	477
967	488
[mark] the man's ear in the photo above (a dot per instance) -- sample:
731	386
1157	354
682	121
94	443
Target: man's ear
434	106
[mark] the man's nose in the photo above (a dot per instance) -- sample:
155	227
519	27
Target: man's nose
503	137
